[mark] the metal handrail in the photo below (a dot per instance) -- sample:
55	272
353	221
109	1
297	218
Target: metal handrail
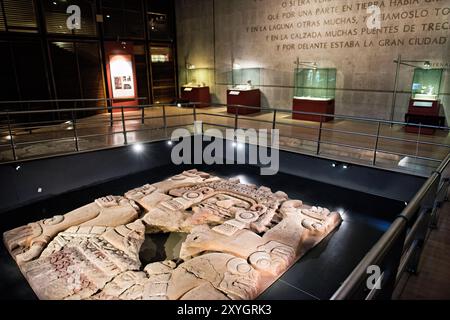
393	234
324	115
71	100
195	105
11	129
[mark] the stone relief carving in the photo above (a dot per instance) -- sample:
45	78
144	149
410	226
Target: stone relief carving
241	239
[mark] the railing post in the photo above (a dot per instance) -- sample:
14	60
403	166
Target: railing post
274	123
111	117
195	112
142	114
374	162
74	126
124	127
11	140
236	115
413	264
418	140
394	94
274	126
319	139
441	197
164	120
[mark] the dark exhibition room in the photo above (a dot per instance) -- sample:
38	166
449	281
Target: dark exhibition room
225	150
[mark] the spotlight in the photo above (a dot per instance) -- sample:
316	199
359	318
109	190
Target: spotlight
406	204
18	168
169	143
341	211
334	165
179	105
108	16
138	148
69	128
39	190
54	2
345	166
427	64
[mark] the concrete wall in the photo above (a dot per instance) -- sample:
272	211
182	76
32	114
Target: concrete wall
272	34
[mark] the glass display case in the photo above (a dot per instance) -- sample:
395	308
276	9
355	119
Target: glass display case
198	77
246	78
426	84
315	84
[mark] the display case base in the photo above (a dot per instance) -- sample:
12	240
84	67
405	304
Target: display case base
423	120
251	98
325	106
201	95
424	107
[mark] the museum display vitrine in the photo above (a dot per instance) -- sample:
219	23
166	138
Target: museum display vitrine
241	239
245	91
198	77
314	92
424	106
246	78
198	82
426	84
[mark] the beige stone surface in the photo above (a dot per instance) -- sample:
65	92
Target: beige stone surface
241	239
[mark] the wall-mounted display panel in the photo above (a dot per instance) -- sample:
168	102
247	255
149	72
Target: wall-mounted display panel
122	77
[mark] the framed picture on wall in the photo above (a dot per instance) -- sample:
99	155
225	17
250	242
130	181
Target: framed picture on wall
122	76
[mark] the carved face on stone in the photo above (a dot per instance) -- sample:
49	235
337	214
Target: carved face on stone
222	205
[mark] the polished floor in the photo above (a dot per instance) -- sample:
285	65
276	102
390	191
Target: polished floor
347	140
315	276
